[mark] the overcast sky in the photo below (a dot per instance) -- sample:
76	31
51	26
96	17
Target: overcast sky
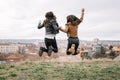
19	18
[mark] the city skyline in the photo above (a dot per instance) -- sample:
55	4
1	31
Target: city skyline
19	18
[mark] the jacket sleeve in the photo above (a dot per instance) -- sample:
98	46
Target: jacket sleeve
40	25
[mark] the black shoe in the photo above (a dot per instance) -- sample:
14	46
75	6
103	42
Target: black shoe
68	52
49	50
40	52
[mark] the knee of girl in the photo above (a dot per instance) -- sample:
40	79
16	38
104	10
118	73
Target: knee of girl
43	49
55	50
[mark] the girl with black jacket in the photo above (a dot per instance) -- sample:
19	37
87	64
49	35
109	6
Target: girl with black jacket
51	29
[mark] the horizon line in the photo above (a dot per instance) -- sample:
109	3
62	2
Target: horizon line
56	39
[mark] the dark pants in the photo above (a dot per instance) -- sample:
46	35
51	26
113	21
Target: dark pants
50	42
70	42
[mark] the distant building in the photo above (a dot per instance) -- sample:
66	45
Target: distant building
116	49
96	41
97	49
8	48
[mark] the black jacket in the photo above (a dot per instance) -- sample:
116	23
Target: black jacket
51	28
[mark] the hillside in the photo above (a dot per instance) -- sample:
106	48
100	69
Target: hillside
55	70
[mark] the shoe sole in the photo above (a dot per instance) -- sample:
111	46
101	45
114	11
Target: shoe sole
49	51
72	49
40	52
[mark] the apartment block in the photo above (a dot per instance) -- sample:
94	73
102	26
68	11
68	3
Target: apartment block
7	48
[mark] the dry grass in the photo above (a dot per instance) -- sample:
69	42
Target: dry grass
95	70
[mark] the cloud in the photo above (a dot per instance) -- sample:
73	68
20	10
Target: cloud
19	18
102	31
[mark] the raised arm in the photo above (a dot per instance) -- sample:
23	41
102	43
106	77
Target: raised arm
40	25
82	14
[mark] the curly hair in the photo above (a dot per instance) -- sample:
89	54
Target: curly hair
49	15
73	20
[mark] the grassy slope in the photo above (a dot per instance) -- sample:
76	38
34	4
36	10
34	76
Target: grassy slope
98	70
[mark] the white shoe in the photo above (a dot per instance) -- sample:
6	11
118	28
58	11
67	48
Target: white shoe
72	49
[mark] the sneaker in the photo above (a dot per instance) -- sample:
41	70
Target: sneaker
49	50
40	52
72	49
78	52
68	53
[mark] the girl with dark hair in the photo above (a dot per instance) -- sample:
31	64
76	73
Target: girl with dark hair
51	29
71	28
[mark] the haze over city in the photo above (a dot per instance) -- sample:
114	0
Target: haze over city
19	18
